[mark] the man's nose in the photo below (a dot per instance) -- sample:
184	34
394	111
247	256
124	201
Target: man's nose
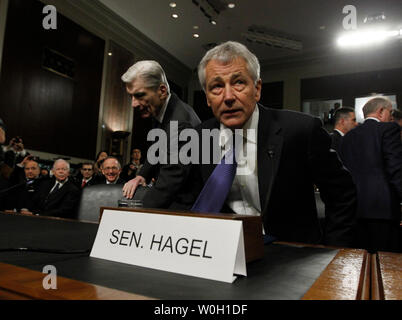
134	102
228	95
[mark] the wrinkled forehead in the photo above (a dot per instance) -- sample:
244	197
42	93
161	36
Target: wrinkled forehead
31	165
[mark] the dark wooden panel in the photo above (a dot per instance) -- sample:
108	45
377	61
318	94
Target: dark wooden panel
350	86
52	113
201	107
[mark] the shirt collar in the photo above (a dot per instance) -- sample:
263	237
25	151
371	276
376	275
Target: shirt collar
340	132
251	124
371	118
161	114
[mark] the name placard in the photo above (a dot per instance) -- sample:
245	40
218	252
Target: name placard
195	246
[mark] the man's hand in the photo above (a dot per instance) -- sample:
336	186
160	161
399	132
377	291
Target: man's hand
130	187
26	212
2	136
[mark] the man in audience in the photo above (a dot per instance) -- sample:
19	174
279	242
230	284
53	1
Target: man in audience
130	170
287	153
150	94
58	196
86	177
111	170
345	120
21	197
373	154
15	152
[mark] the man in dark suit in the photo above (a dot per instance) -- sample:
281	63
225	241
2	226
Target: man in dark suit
86	177
287	153
25	183
150	94
373	154
59	196
345	120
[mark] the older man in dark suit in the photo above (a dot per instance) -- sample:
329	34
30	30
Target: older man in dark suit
150	94
373	154
59	196
287	153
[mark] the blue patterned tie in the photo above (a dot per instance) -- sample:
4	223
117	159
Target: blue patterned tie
217	187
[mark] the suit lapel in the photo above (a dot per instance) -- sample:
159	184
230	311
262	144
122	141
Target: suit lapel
269	151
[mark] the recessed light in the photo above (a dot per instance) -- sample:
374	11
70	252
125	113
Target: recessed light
195	27
172	5
212	22
110	54
196	35
322	27
231	5
175	15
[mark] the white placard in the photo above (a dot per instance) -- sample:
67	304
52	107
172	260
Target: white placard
195	246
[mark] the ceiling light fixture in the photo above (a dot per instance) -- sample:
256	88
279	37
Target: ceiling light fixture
196	35
231	5
356	39
212	22
175	15
172	5
272	40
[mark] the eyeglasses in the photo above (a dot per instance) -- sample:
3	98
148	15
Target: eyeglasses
111	168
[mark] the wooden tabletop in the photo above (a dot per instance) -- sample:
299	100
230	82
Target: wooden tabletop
23	284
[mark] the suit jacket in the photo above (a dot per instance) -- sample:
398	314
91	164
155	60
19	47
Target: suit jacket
293	154
170	189
61	203
102	180
336	140
21	197
373	154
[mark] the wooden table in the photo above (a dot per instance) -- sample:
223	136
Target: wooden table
288	271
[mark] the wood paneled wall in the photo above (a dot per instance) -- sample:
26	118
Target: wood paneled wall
52	113
350	86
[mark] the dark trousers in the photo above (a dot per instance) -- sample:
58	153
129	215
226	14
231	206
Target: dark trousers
378	235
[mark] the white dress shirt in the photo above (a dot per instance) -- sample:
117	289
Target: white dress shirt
244	196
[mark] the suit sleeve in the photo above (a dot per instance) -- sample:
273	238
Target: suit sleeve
392	151
336	186
171	177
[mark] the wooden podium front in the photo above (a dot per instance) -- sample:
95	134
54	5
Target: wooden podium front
252	227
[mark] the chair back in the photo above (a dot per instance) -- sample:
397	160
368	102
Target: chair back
97	196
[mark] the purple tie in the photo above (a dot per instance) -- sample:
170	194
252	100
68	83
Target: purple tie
217	187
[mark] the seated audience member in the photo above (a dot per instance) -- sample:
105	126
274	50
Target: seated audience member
287	154
58	196
131	169
373	154
86	176
397	117
20	197
102	155
345	120
111	170
44	172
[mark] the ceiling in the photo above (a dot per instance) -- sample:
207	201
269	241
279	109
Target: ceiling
315	23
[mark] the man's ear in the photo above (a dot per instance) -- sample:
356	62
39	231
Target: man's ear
258	90
163	91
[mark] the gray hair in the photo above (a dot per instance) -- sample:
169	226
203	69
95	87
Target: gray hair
227	52
61	160
148	71
111	158
374	104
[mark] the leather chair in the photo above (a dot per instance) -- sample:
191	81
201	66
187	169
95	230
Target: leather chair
103	195
94	197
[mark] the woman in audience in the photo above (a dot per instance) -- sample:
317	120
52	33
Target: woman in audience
101	156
